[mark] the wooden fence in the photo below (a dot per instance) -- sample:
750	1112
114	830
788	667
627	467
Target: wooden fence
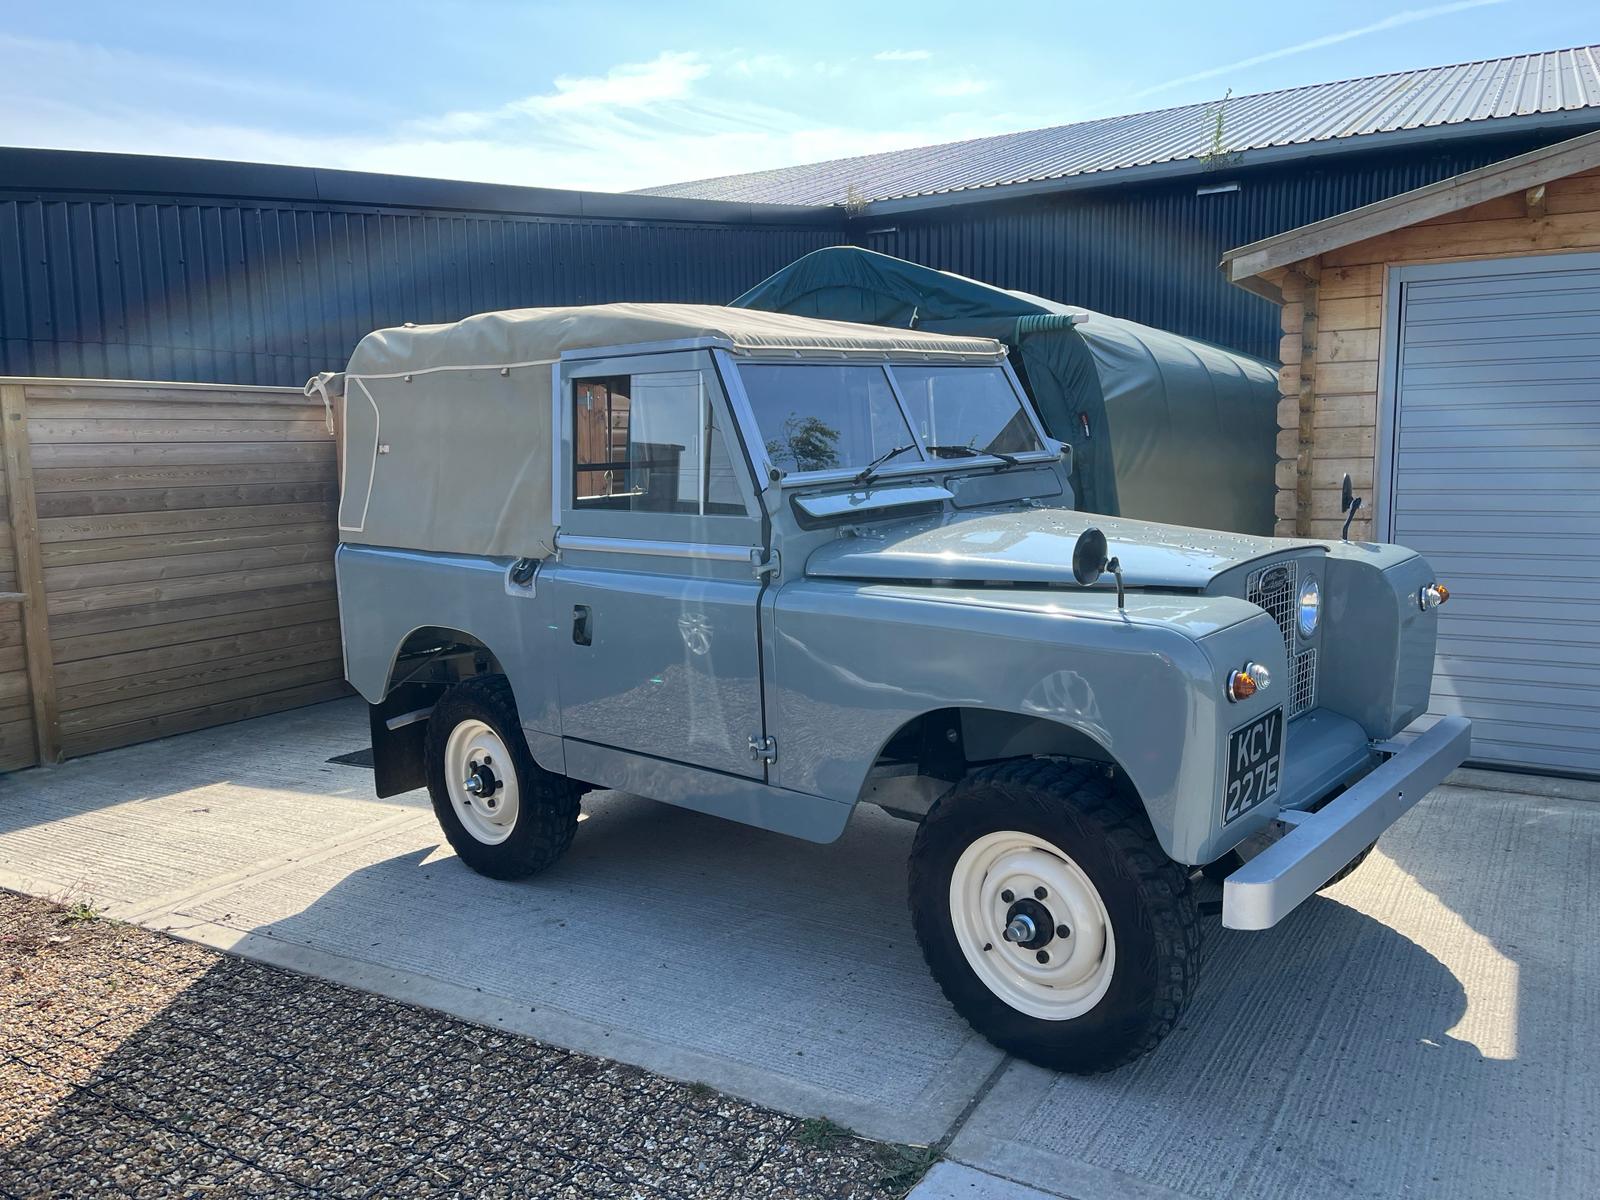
166	561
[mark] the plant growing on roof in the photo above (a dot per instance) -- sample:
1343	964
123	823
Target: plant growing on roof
1217	155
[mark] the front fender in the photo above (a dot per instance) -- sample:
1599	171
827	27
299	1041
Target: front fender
854	662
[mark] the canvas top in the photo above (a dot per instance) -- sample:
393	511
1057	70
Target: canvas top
448	432
527	336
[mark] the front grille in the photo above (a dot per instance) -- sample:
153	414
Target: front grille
1273	589
1276	589
1303	684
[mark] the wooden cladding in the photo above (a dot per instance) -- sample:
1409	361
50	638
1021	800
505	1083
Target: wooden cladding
1333	336
166	561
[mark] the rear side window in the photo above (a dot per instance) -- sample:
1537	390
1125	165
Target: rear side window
648	443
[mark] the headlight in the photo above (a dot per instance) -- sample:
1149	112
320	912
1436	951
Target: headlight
1310	607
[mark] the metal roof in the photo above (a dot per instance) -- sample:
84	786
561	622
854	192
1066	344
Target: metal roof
1511	93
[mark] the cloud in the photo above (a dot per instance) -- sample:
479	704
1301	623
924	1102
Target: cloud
668	76
956	88
1394	21
677	115
903	55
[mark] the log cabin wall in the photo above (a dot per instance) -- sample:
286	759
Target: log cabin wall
166	561
1333	336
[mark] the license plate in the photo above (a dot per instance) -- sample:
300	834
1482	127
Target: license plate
1255	752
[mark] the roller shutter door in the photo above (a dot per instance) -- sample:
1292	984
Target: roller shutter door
1495	478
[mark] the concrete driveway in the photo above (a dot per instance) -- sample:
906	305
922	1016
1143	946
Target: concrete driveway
1425	1029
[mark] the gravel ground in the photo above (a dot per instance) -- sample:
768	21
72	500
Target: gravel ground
133	1064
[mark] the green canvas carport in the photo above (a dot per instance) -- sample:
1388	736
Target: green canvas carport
1161	427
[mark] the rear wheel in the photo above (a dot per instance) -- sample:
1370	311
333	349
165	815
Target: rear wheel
503	814
1050	916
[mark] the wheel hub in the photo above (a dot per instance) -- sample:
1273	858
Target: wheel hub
1029	925
1032	925
482	781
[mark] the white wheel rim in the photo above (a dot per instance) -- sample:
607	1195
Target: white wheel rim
475	750
1078	966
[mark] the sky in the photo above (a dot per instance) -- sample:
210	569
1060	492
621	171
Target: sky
613	96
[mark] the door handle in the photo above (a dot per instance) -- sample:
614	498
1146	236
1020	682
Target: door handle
582	632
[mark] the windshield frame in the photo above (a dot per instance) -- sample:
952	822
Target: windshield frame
925	461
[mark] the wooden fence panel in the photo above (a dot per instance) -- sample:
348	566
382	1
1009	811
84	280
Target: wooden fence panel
179	539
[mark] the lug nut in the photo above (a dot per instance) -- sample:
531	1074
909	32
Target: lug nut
1043	956
1039	893
1007	896
1062	931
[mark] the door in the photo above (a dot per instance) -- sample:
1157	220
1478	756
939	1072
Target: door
655	590
1493	448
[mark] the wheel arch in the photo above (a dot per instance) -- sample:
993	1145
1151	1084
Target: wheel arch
427	646
945	744
426	662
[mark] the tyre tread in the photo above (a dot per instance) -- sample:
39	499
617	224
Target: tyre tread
548	820
1049	786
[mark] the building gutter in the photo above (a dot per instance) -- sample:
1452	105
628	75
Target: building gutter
84	174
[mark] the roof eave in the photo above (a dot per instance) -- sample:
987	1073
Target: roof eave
101	173
1244	265
1358	143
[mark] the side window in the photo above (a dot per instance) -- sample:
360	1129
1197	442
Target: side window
648	443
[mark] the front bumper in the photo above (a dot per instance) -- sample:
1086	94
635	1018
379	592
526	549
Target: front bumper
1268	887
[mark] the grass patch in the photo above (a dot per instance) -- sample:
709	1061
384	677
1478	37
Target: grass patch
900	1168
821	1134
82	910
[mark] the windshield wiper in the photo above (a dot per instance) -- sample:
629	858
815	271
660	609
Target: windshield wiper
870	472
971	452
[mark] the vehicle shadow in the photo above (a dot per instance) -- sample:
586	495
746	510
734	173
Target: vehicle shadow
781	970
1336	1053
1437	1051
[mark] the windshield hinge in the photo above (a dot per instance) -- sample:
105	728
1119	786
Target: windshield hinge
764	749
764	563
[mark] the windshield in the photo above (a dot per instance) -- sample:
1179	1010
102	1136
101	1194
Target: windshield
823	416
970	407
833	416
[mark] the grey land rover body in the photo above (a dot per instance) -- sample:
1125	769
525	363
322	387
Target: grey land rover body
769	567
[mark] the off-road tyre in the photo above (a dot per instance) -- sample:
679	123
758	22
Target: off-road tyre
547	817
1148	898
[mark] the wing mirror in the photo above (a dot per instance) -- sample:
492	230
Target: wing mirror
1349	503
1090	561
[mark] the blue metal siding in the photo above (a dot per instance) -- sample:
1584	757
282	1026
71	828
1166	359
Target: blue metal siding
230	289
263	293
1150	253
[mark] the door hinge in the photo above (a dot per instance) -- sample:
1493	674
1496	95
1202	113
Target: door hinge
764	564
764	749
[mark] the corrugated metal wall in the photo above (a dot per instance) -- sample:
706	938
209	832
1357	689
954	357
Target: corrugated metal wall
158	281
1150	253
262	293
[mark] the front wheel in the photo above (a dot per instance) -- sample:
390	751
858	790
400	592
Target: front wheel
503	814
1050	916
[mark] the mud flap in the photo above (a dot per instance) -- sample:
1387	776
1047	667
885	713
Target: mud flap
399	733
